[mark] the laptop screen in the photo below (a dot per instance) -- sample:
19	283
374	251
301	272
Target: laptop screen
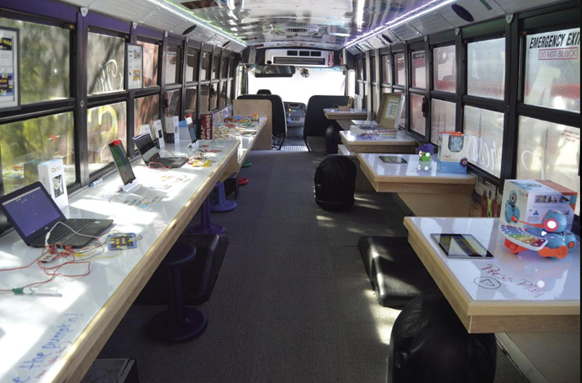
32	211
147	147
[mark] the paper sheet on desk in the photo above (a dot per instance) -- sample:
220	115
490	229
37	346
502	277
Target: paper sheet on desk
144	201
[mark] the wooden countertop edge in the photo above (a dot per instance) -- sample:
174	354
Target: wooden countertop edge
73	367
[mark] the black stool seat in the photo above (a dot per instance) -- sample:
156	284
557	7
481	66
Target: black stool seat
198	277
181	254
429	344
395	271
178	323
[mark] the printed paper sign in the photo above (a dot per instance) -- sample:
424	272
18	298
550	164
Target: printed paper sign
135	65
9	86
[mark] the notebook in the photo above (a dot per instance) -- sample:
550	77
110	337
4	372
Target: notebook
151	154
34	213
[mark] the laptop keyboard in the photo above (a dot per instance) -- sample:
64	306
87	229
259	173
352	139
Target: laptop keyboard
63	233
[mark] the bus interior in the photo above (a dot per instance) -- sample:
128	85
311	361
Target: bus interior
424	129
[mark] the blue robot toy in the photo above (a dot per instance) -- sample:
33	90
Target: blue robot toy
553	229
512	213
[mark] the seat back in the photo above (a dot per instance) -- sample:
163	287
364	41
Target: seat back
265	92
315	121
279	116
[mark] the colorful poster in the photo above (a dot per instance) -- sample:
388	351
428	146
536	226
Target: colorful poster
9	86
135	66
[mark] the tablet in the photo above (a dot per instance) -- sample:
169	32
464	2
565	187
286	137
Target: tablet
393	160
461	246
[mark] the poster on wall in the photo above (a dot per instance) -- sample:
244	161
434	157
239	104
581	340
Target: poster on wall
135	66
9	69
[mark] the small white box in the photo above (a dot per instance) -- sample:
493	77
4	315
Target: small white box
52	175
159	133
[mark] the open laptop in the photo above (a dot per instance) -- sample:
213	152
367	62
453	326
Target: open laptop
151	154
33	213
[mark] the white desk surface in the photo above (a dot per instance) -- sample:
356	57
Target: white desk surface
333	114
523	286
41	336
396	139
247	142
409	172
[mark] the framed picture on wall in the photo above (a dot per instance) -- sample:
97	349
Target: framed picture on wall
9	69
135	66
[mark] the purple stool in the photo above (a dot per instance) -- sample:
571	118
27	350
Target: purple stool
222	205
206	226
179	323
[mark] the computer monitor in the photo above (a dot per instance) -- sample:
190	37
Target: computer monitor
122	162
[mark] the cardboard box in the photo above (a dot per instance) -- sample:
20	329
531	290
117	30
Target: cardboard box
207	122
453	156
52	175
529	201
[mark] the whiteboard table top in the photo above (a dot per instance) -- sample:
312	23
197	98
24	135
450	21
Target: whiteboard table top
43	339
395	139
334	114
524	286
409	172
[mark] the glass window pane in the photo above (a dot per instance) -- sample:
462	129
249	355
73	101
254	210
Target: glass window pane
173	58
404	110
418	119
105	64
215	63
224	68
191	101
386	70
373	68
213	96
444	116
400	60
174	103
552	77
548	151
419	70
26	144
486	69
205	70
375	105
361	69
147	110
44	66
486	145
222	100
229	92
204	98
445	69
151	57
192	65
105	124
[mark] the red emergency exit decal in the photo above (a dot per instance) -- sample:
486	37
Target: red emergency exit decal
559	54
330	59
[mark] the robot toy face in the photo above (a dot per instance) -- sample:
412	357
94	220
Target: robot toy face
513	198
555	222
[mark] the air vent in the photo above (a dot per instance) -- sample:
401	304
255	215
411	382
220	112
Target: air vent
296	29
299	61
300	57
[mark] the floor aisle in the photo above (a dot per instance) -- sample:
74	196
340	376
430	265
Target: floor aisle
293	303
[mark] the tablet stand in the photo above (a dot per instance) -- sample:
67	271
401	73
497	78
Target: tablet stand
130	188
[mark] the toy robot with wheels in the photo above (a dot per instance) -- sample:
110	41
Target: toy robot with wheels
550	239
511	208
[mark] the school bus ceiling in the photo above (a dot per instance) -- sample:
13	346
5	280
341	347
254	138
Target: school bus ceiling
325	24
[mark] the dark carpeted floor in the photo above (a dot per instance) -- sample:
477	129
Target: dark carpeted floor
293	303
